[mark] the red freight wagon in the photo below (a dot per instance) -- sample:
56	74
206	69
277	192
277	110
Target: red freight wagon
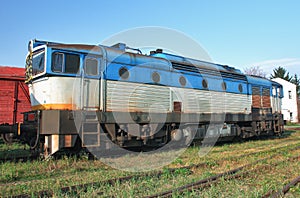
14	95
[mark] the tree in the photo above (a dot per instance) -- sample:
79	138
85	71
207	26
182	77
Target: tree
296	81
280	72
255	71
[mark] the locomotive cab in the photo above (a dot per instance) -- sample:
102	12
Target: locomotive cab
58	73
62	80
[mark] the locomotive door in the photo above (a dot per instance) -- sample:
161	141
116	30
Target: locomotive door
90	93
91	84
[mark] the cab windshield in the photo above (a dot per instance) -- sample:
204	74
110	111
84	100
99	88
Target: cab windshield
38	62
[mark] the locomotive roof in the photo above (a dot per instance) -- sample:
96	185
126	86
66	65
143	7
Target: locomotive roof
111	53
257	80
197	63
77	47
115	52
160	57
165	56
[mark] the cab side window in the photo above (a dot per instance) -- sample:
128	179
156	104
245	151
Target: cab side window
72	63
65	63
57	62
91	66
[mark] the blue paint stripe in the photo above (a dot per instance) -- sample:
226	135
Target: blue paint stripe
171	78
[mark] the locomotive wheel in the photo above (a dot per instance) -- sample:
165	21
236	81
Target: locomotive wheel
8	138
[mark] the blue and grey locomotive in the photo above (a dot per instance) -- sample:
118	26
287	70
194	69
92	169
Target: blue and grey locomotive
142	100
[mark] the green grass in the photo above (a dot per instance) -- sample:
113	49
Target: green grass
31	177
15	149
292	124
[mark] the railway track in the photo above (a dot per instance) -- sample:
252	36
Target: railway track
189	169
262	146
284	190
260	151
228	175
83	187
17	159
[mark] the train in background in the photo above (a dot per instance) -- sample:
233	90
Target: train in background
14	102
134	100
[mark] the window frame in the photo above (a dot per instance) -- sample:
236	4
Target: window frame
65	62
124	73
204	83
182	81
155	76
240	88
86	58
38	53
64	54
62	65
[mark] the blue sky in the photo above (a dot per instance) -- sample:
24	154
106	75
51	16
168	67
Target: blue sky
236	33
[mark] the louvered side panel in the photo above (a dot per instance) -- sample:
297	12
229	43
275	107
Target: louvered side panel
238	103
202	101
256	101
196	101
256	98
133	97
266	100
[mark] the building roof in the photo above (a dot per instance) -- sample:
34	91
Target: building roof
13	73
283	82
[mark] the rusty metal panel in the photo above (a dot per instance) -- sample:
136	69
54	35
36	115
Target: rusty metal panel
256	101
256	97
266	100
133	97
177	106
261	100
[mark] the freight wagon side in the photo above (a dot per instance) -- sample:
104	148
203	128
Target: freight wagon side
14	100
